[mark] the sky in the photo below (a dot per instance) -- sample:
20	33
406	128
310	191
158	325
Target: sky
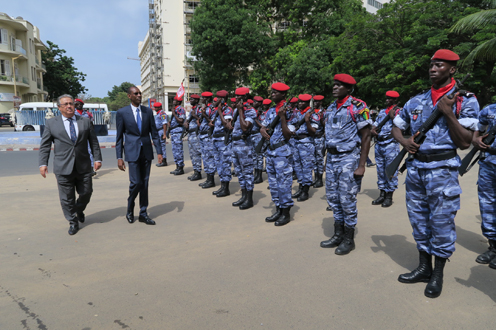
98	34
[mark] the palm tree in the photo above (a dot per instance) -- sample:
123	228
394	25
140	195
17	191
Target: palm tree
487	50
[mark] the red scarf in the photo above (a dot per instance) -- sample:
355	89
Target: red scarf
389	108
436	94
279	105
341	102
305	110
80	112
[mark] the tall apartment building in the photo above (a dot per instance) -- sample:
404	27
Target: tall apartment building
20	56
165	51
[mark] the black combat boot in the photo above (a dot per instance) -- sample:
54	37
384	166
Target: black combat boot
318	181
298	192
274	216
284	218
195	177
258	178
435	285
304	194
489	255
420	274
337	238
388	199
174	172
248	203
379	199
294	176
492	264
180	170
233	173
210	183
225	192
241	200
348	243
222	187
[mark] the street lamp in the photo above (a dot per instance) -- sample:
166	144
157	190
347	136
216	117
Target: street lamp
13	69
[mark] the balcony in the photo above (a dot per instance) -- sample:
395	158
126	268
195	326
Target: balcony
6	49
38	84
10	79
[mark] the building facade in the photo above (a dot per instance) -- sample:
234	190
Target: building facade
372	6
21	70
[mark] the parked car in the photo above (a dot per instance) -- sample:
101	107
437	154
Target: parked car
5	119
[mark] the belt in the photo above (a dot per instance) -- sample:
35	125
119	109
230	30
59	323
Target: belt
203	132
192	130
218	135
427	158
384	138
237	138
319	135
301	136
334	151
277	145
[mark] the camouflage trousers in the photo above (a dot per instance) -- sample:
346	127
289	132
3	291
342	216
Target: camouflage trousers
280	177
177	148
486	187
292	146
319	154
258	158
195	151
162	143
223	160
304	161
432	200
207	154
342	187
243	163
384	155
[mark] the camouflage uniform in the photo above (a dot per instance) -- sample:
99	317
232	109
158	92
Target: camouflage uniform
487	177
160	120
319	142
207	147
386	150
176	132
222	152
343	144
193	141
432	188
243	150
255	137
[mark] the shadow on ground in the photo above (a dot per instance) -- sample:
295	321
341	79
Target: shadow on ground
159	210
101	173
483	279
474	242
401	251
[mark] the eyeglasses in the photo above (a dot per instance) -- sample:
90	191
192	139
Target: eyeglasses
138	93
66	104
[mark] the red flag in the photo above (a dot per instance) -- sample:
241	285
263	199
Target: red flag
180	91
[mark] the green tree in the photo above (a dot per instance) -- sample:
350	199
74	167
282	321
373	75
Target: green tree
116	90
121	100
61	76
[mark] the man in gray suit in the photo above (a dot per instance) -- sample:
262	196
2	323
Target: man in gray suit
70	135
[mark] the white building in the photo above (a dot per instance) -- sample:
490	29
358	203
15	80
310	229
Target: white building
372	6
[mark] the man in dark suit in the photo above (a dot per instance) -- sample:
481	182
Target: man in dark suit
135	124
71	136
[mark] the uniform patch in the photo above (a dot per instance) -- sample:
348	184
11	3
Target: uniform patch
415	113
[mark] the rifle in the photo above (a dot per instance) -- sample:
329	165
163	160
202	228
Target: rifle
270	130
185	131
466	165
421	134
302	120
167	133
385	120
211	129
227	136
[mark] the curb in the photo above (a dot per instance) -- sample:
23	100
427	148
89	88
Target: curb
36	149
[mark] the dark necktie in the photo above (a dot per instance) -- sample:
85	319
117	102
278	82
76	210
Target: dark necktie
138	119
72	129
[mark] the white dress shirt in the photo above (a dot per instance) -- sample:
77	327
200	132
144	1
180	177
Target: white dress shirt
67	125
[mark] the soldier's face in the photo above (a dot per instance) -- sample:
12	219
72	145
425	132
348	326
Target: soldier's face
257	104
340	90
390	101
440	72
277	96
317	104
302	105
78	105
193	102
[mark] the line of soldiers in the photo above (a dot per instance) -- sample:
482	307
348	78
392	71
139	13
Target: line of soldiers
294	136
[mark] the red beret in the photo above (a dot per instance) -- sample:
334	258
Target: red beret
195	96
233	99
267	101
393	94
157	105
293	100
207	94
304	97
178	98
345	78
258	98
79	100
242	91
222	93
280	87
250	101
318	97
445	55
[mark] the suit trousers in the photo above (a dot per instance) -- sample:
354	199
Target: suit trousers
68	186
139	173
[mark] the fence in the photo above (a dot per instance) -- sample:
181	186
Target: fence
32	117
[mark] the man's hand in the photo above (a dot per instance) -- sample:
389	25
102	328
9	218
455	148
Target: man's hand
186	124
263	131
373	132
121	165
410	145
392	113
282	112
211	124
160	158
307	116
43	171
359	172
97	166
477	142
164	137
445	105
229	126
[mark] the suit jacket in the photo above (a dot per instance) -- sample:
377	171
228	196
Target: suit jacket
129	136
68	155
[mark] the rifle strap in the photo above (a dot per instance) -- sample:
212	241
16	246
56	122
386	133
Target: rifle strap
473	162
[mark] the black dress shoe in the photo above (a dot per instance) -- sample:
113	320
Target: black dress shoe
146	219
130	217
80	216
73	229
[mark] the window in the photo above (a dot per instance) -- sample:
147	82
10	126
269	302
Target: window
5	68
375	3
4	35
33	73
193	79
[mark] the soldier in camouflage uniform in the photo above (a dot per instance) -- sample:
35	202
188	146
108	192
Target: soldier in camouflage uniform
279	157
487	183
176	131
161	122
432	188
347	127
255	139
207	147
242	147
222	152
386	150
192	126
319	142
